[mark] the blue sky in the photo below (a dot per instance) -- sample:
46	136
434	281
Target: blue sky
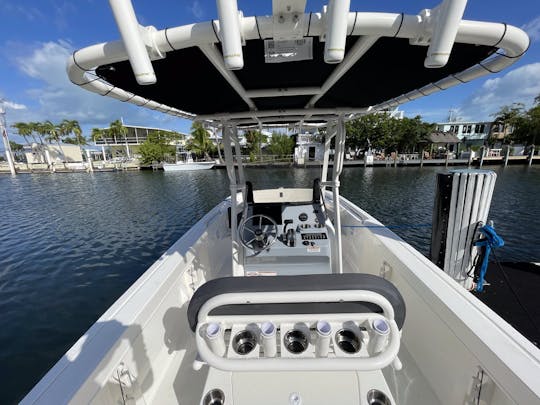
37	36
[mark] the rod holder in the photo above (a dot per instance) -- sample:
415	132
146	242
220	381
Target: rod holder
231	38
268	339
324	331
133	41
447	17
336	30
380	330
215	338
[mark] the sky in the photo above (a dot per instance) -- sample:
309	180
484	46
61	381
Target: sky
37	37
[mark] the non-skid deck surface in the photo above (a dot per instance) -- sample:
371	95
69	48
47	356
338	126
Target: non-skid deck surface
517	303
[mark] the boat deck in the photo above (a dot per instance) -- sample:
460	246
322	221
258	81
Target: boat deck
517	302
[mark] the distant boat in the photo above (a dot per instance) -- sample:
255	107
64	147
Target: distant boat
184	161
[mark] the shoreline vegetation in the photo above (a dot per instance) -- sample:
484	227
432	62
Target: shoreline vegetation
393	141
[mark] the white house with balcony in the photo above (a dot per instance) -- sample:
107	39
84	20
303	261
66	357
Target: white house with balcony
127	146
468	132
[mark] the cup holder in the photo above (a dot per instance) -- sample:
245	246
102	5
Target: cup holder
244	342
295	341
348	341
376	397
214	397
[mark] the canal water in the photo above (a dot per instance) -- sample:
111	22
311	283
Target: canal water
71	244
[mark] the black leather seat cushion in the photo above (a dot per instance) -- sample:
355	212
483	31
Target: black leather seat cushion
310	282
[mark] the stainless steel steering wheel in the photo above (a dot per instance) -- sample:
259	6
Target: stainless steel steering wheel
255	235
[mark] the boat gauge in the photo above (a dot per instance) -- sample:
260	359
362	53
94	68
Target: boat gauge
303	217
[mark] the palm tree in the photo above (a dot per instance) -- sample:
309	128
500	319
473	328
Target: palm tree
200	142
98	134
72	127
40	129
117	129
54	133
36	128
24	130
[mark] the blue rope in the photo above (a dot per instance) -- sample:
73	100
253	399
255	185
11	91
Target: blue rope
491	241
388	226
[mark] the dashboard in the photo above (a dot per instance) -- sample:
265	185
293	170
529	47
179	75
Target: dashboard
302	242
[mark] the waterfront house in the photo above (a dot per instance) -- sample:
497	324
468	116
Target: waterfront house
309	147
470	133
127	145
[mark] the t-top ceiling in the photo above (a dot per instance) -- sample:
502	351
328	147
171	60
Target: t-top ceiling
187	80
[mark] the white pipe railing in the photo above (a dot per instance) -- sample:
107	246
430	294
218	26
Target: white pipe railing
339	156
220	64
358	50
511	40
237	268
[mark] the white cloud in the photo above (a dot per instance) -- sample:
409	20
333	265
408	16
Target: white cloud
533	29
519	85
57	98
13	106
196	9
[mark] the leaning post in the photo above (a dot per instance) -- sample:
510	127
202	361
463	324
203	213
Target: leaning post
531	156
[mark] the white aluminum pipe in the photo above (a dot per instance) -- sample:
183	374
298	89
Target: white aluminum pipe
358	50
283	92
511	41
295	296
448	16
212	53
133	41
336	30
231	37
336	172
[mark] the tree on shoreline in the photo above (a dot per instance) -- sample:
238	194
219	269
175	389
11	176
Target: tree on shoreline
200	142
68	127
281	145
387	133
525	123
158	146
254	140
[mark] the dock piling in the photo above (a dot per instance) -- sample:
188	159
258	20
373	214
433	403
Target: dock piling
482	150
462	202
531	156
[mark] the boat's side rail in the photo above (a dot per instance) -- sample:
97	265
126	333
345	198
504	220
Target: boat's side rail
129	336
463	334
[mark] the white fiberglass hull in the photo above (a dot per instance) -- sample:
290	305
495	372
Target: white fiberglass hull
180	167
142	347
